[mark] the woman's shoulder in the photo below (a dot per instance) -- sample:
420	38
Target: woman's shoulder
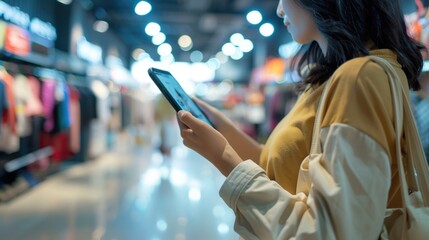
360	72
358	68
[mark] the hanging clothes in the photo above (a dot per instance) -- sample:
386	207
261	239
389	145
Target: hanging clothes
3	100
34	105
23	94
9	137
75	120
62	107
48	102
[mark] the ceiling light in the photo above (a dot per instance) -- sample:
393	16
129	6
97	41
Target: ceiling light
222	57
65	2
185	41
196	56
228	49
288	50
143	8
236	39
137	53
152	28
223	228
254	17
246	45
167	59
101	26
158	38
213	64
237	55
164	49
266	29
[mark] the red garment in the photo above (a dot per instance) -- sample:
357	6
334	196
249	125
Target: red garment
59	143
10	117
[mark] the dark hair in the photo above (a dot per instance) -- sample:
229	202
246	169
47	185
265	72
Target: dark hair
348	26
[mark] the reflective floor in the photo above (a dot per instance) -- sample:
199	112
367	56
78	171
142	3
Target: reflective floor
132	192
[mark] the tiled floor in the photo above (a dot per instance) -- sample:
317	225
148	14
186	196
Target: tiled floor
130	193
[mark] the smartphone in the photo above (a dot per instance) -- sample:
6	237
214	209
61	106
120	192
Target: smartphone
175	94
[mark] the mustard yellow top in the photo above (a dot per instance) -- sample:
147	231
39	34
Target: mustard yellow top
359	96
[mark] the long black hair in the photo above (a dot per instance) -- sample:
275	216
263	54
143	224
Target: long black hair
348	25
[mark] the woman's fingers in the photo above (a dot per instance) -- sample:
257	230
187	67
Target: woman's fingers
190	121
207	108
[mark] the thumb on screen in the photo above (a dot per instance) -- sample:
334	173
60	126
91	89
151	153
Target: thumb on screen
188	119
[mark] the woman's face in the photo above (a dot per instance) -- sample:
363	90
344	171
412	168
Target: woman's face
298	21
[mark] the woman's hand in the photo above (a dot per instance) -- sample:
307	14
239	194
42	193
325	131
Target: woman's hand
219	120
245	146
208	142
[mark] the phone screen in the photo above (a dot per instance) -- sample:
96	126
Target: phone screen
175	94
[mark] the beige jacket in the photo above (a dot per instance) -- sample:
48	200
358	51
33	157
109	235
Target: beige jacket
352	183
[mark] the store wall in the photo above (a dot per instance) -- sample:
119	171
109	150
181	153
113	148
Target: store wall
82	25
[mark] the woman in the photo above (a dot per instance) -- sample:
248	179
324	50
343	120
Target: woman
357	132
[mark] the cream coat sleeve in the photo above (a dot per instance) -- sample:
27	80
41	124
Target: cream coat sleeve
347	198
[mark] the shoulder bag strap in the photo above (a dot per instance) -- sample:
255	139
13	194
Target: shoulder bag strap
403	118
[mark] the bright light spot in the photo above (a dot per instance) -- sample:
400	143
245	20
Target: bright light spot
236	39
101	26
165	171
201	89
246	45
137	53
151	178
289	49
167	59
178	178
65	2
157	159
201	73
225	87
221	57
194	195
266	29
139	69
164	49
161	225
188	48
425	66
152	28
143	8
158	38
213	64
219	211
228	49
185	42
222	228
237	55
196	56
254	17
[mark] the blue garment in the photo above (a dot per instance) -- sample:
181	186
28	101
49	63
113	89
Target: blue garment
3	100
421	115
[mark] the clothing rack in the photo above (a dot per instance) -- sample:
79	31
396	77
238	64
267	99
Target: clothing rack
26	160
29	68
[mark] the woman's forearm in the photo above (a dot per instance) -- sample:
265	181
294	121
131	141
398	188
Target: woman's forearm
244	145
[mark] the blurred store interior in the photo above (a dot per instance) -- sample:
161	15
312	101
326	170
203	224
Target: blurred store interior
89	147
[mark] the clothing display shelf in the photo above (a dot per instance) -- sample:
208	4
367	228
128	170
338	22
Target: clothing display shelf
28	159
